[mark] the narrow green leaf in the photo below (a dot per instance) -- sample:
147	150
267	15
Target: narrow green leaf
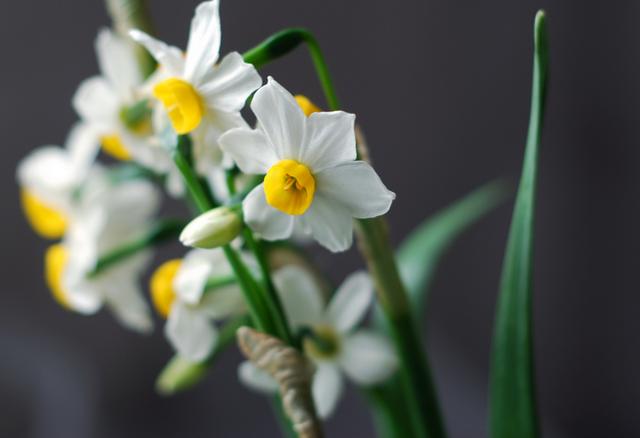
420	253
512	388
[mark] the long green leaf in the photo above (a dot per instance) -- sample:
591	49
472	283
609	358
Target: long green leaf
420	253
512	388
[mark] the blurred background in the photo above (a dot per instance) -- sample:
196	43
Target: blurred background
442	90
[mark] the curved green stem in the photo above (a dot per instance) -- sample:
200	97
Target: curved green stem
283	42
163	230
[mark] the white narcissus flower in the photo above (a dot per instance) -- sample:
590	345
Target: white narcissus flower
105	218
312	179
332	341
192	293
48	178
201	96
116	106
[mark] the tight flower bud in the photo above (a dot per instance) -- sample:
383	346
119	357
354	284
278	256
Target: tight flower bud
212	229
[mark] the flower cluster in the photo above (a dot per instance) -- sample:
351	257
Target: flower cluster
295	172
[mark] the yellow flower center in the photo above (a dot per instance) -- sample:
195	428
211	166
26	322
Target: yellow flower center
112	145
289	186
306	105
323	344
161	285
44	219
55	262
182	102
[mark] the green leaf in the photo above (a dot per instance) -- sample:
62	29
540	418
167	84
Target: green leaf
420	253
512	387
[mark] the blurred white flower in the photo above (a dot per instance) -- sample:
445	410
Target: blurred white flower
331	340
49	176
105	217
116	105
192	293
312	177
200	95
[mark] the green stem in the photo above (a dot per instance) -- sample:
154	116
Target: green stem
163	230
283	42
392	296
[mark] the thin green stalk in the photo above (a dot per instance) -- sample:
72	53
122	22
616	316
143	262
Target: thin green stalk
163	230
392	296
283	42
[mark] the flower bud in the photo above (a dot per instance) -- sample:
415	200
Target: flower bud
212	229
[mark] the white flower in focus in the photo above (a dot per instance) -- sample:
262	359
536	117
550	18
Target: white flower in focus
201	96
105	218
312	178
331	341
116	106
50	175
192	293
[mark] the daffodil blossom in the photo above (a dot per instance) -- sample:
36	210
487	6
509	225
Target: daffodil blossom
312	177
201	96
116	105
48	177
334	345
192	293
106	217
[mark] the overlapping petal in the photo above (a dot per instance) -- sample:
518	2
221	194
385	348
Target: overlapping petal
118	63
280	117
356	187
330	140
270	223
226	86
190	332
368	358
351	301
169	57
300	296
331	224
203	47
249	149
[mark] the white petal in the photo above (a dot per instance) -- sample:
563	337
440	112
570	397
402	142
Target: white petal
203	47
96	102
227	86
223	302
118	63
190	332
127	304
82	295
327	387
330	223
83	146
48	172
254	378
270	223
357	187
169	57
249	149
368	358
300	296
330	140
206	147
351	301
281	119
191	279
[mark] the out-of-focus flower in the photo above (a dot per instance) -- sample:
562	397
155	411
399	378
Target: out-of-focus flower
212	229
50	175
192	293
330	337
105	218
311	173
117	107
200	95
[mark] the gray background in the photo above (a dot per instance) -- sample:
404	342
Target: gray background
442	89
